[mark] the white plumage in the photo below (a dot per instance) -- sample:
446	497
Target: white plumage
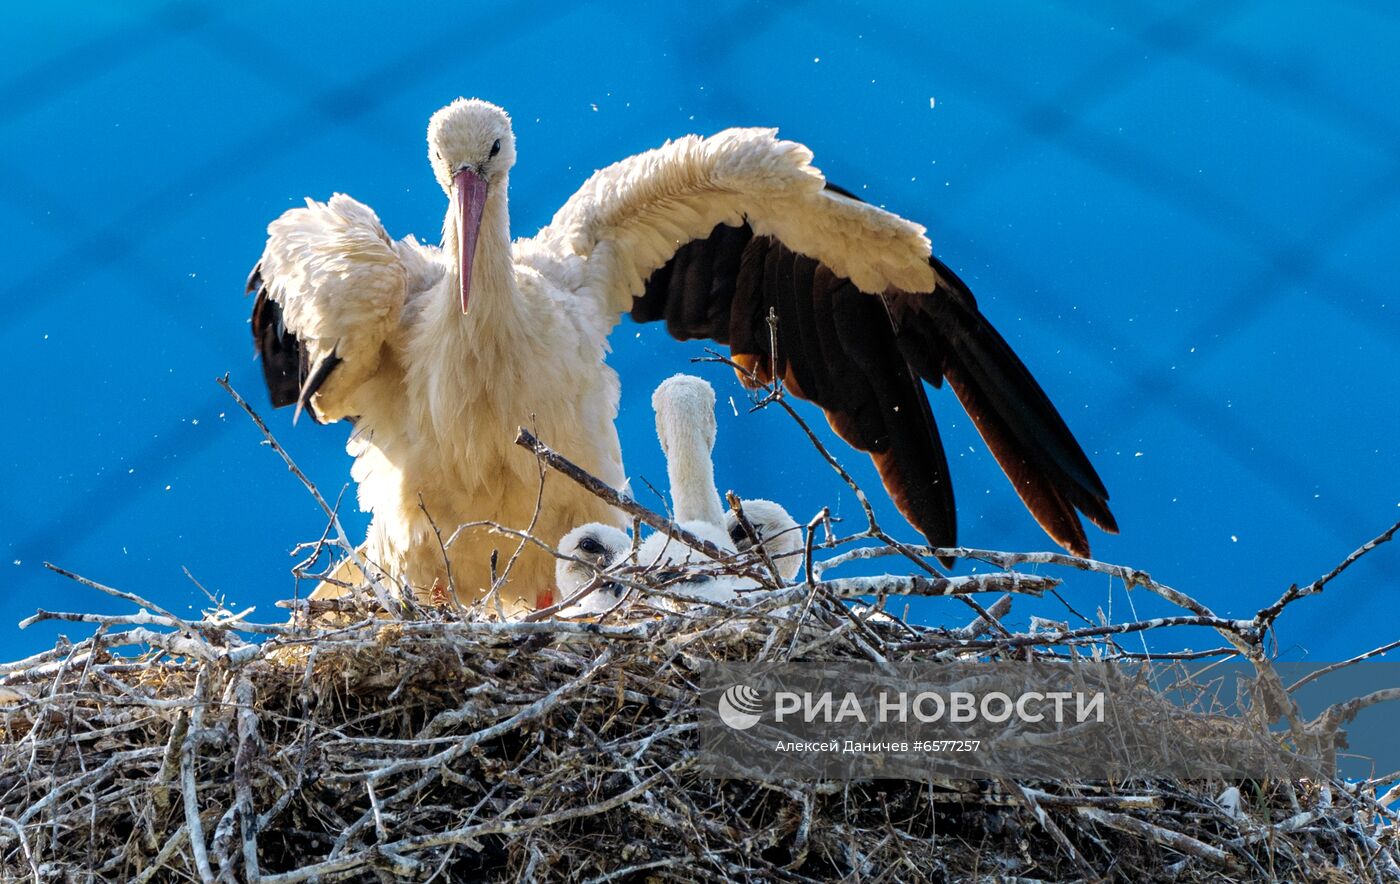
777	532
585	552
628	219
437	393
685	426
438	354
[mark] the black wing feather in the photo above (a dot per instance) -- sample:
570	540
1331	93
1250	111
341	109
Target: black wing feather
862	359
285	361
283	358
944	335
836	348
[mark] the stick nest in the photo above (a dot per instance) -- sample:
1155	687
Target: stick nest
451	748
386	741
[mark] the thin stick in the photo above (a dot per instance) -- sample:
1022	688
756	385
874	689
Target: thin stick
177	622
736	506
1333	667
1267	615
187	780
525	439
381	594
249	744
1175	840
1073	635
530	529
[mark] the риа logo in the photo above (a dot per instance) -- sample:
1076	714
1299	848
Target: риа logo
740	707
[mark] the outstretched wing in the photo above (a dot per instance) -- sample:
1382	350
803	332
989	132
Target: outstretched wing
329	289
942	335
711	235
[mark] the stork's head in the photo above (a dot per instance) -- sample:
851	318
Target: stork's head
777	531
599	546
471	147
685	409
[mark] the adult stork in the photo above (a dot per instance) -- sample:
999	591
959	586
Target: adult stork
437	354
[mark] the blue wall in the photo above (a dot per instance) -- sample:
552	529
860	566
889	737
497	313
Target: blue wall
1185	223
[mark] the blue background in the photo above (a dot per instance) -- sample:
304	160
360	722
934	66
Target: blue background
1183	219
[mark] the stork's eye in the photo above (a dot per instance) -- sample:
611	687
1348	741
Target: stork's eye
590	546
738	534
496	147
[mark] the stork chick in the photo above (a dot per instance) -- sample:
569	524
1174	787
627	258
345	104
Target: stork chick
685	426
778	534
597	547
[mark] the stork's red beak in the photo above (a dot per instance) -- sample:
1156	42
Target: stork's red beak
471	199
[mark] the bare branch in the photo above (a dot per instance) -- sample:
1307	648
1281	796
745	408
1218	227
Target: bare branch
381	594
525	439
1267	615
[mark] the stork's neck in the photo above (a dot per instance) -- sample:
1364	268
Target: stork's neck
494	300
691	471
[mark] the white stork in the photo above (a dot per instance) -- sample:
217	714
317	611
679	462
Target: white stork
776	531
584	552
437	354
685	426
